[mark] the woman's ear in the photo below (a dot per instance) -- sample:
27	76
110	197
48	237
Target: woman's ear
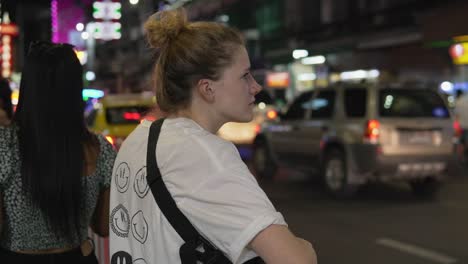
206	89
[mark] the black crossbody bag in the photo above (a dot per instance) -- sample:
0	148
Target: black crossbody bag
196	248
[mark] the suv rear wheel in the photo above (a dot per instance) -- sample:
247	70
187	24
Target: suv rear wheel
263	163
335	175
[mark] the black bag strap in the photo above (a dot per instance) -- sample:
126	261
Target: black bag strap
188	251
163	198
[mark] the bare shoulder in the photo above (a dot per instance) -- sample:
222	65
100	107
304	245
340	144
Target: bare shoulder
4	120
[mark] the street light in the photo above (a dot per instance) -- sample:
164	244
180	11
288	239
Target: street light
89	36
79	26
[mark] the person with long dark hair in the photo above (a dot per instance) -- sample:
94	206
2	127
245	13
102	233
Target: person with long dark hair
54	173
6	107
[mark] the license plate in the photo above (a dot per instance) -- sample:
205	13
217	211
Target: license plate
420	138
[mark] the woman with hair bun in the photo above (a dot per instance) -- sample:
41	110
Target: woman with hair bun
203	80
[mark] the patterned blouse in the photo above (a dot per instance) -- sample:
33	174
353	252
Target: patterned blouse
24	227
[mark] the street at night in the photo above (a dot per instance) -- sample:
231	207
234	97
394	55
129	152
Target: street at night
383	224
369	96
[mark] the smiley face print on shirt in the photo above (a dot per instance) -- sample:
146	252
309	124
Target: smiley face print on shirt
122	177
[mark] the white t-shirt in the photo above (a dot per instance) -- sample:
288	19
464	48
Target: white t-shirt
461	110
209	182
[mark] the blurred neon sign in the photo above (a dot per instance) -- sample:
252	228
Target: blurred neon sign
92	93
277	79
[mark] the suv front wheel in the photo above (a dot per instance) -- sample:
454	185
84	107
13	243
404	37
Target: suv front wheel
335	176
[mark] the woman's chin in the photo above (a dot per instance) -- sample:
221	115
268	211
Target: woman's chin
245	119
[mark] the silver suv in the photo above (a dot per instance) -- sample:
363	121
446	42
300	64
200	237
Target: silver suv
353	134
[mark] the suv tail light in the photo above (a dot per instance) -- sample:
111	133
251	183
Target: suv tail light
372	131
457	128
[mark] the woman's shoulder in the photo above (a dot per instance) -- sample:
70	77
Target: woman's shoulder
184	139
105	159
106	149
213	147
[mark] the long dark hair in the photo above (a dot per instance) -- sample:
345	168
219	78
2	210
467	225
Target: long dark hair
5	97
52	133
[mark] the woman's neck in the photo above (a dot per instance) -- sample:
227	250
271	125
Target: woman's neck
202	118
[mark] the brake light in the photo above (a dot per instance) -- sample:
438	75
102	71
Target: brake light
457	128
131	116
372	131
257	129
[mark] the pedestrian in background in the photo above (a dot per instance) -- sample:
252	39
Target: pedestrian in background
203	81
6	108
54	173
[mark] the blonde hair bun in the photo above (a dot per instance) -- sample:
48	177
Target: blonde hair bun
163	26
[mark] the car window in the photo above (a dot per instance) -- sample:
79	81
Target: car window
126	115
355	101
409	102
298	107
323	104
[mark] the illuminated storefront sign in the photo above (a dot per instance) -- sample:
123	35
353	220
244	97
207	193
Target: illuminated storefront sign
7	32
277	79
107	30
107	10
107	15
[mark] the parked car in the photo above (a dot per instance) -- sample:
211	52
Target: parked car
353	134
115	116
245	133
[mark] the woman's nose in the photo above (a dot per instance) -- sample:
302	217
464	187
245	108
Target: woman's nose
256	88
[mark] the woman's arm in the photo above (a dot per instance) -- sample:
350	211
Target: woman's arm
276	244
100	220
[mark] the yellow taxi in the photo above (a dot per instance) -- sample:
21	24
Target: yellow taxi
115	116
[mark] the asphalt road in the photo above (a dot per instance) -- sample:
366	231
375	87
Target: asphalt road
383	224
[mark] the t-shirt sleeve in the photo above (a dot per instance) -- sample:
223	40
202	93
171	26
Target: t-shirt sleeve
230	209
105	162
5	153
